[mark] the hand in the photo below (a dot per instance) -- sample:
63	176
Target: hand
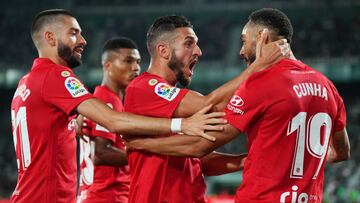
268	54
82	127
200	122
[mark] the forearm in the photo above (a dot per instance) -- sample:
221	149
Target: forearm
221	96
217	163
121	122
339	148
177	145
110	156
131	124
185	146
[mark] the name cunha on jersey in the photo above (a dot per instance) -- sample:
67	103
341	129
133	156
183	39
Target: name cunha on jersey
75	87
165	91
234	104
22	92
310	89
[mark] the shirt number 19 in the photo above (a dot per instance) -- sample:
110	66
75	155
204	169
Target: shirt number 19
308	134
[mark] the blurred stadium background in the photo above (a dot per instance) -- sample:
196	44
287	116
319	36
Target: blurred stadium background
326	36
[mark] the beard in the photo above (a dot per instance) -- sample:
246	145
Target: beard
178	67
250	59
68	56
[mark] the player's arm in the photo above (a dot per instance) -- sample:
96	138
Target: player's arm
217	163
131	124
266	55
185	146
339	149
106	154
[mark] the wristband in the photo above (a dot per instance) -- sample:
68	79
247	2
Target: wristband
176	125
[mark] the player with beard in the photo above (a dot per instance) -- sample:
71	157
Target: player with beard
289	111
44	102
172	44
104	174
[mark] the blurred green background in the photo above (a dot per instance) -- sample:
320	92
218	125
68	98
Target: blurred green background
326	36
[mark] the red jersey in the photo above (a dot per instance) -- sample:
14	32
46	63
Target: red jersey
103	183
288	111
44	139
159	178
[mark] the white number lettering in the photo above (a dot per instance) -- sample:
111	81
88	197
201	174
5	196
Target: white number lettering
310	134
19	120
87	173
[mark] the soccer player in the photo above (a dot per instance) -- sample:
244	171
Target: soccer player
105	174
294	119
44	102
172	44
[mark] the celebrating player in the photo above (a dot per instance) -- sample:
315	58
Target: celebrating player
105	174
293	116
44	102
172	44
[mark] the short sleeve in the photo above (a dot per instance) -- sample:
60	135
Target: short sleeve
340	120
64	90
245	106
153	97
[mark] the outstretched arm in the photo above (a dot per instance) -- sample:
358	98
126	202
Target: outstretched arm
131	124
339	149
185	146
217	163
266	55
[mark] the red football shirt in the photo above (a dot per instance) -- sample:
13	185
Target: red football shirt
158	178
103	183
44	138
288	112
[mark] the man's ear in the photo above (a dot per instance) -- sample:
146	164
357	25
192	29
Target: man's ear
50	38
163	50
107	66
266	36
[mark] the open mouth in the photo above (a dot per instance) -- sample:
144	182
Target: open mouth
192	66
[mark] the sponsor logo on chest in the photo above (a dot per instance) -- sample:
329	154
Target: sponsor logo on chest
295	197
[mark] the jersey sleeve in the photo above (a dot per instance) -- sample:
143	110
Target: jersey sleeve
64	90
159	100
340	120
245	105
98	130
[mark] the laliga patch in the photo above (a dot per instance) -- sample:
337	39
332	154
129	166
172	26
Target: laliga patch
75	87
165	91
65	73
152	82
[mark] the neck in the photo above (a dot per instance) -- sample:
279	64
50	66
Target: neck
53	57
292	56
113	86
161	69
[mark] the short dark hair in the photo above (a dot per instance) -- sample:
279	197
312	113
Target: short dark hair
46	17
164	25
275	20
116	43
112	46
